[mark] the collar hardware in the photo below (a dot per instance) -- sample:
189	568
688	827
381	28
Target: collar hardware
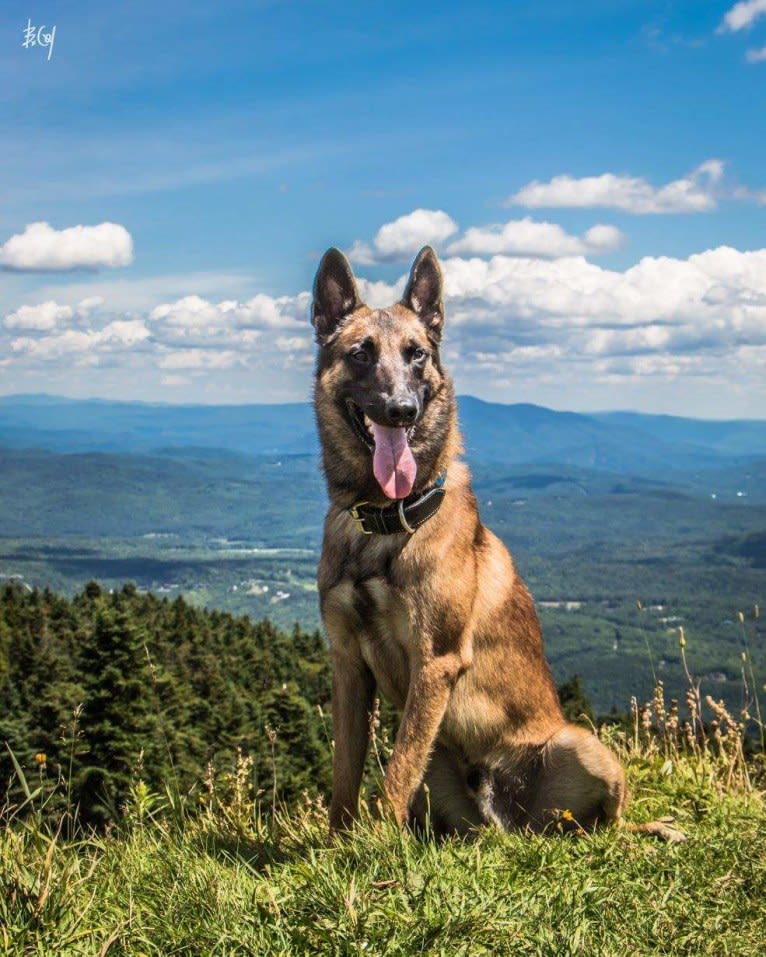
359	519
403	519
404	516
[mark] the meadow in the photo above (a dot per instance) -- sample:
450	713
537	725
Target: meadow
181	809
239	875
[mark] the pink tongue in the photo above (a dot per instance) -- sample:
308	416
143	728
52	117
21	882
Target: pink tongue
393	464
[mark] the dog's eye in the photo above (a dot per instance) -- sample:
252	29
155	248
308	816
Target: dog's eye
419	355
359	356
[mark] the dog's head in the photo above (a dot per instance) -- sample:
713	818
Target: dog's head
384	404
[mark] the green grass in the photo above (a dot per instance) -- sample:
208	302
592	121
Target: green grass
231	881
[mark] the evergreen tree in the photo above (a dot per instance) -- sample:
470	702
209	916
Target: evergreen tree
119	721
574	701
180	685
290	749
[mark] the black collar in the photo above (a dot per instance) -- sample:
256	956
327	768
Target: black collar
405	515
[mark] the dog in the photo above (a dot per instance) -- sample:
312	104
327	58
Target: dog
421	602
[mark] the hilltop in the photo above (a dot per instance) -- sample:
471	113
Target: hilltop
232	857
234	878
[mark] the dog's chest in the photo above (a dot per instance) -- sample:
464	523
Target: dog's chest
372	616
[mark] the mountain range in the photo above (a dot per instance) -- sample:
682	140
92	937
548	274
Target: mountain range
625	442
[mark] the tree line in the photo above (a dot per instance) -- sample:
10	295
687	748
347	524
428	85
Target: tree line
108	688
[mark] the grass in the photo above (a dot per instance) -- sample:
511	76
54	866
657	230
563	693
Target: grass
225	871
232	879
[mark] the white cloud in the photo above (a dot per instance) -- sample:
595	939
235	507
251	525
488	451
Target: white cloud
190	312
757	196
713	282
756	56
659	366
705	307
41	247
189	334
207	359
380	294
293	343
49	315
742	15
192	316
561	323
88	305
49	348
84	345
526	237
403	237
124	332
43	317
601	238
693	193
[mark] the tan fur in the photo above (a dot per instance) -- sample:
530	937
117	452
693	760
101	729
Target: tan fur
439	622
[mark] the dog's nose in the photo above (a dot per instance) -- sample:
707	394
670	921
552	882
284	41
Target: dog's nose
401	410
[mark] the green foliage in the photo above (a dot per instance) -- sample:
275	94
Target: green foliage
243	534
227	883
574	701
119	723
115	687
207	739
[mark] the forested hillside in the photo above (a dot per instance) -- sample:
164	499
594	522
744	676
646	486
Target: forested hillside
106	688
199	739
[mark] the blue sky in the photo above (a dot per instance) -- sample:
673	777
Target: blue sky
592	175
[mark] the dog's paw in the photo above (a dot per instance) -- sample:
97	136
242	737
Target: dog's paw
662	829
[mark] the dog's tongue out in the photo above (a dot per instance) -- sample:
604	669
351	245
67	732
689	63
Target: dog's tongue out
393	464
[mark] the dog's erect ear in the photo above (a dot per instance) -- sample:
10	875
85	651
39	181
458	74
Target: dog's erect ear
335	294
423	294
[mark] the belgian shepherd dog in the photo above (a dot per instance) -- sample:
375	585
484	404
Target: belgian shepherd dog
421	602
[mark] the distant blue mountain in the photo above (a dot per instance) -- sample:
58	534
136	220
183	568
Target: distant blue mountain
508	434
735	436
99	425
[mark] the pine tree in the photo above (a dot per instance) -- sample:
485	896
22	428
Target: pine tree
119	721
180	685
574	701
290	747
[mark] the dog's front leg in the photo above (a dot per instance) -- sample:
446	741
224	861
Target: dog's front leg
353	692
430	688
